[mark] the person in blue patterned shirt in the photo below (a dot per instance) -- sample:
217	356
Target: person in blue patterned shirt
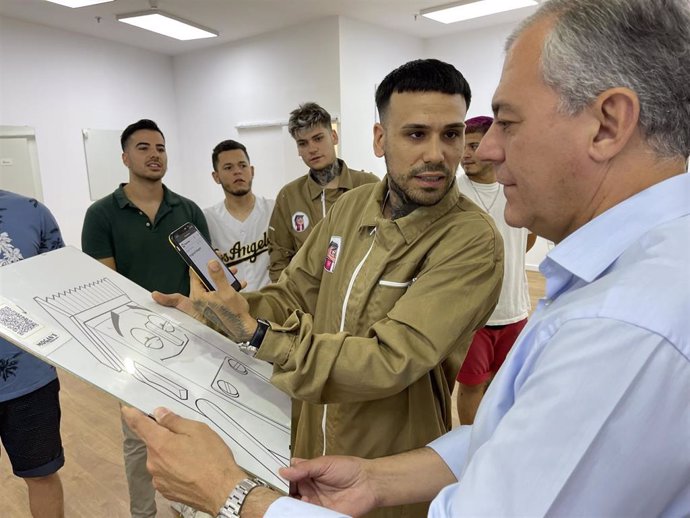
29	404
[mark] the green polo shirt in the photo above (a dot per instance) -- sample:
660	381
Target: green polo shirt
115	227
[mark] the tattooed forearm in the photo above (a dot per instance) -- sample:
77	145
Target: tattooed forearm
223	320
241	333
208	317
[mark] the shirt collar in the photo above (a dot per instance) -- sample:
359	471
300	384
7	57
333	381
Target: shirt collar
593	248
169	197
416	222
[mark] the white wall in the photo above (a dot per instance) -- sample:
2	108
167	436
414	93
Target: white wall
60	82
257	79
479	56
367	54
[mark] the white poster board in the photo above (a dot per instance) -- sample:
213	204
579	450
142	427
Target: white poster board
76	313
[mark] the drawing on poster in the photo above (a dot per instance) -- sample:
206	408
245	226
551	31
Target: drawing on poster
206	376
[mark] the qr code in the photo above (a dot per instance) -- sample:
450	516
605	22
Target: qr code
16	322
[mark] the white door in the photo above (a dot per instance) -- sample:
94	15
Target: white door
19	162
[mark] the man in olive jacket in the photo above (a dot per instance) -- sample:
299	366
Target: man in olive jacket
372	318
302	203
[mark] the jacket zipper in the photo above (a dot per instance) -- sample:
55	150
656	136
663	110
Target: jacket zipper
342	321
323	203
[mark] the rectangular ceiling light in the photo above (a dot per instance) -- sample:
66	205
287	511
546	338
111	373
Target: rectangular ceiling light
78	3
168	25
466	11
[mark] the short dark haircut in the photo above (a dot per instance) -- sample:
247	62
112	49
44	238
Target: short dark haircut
143	124
479	124
422	75
227	145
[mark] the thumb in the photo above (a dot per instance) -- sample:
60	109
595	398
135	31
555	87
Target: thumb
139	422
215	270
173	422
300	469
171	300
175	300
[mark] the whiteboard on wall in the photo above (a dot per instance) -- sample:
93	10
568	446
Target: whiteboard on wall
19	171
104	166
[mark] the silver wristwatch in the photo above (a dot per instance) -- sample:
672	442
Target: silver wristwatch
232	506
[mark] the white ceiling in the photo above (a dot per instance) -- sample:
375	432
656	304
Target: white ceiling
237	19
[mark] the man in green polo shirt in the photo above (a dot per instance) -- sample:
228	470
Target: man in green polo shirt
128	232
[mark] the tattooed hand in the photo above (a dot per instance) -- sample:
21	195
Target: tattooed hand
224	310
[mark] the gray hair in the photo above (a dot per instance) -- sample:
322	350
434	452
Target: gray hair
307	116
643	45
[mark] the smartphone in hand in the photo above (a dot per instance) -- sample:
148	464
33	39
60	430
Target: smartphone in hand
197	252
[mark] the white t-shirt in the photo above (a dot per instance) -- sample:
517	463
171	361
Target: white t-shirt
513	302
243	244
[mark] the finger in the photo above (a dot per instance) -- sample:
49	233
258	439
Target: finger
173	422
215	270
233	270
195	284
140	423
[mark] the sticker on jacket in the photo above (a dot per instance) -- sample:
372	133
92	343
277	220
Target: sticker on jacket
332	254
300	221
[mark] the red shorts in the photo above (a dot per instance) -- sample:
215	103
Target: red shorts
488	351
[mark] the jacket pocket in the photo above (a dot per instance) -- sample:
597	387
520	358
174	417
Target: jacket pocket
396	284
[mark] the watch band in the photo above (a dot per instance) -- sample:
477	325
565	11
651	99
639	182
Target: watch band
233	505
251	347
258	337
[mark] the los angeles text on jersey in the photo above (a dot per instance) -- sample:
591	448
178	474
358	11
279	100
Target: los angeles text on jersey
240	253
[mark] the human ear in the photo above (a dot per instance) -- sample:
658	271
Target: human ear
379	140
617	114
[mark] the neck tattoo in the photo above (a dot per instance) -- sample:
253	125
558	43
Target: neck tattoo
325	175
398	201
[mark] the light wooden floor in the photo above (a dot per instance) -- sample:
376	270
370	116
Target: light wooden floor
93	476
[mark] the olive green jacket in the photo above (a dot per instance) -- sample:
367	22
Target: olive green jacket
375	343
307	198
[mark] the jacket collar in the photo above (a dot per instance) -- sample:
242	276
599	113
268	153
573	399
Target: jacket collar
415	223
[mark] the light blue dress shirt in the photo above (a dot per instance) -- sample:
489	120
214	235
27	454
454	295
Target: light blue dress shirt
590	413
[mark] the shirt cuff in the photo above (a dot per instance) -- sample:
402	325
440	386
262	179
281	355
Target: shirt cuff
453	448
291	508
